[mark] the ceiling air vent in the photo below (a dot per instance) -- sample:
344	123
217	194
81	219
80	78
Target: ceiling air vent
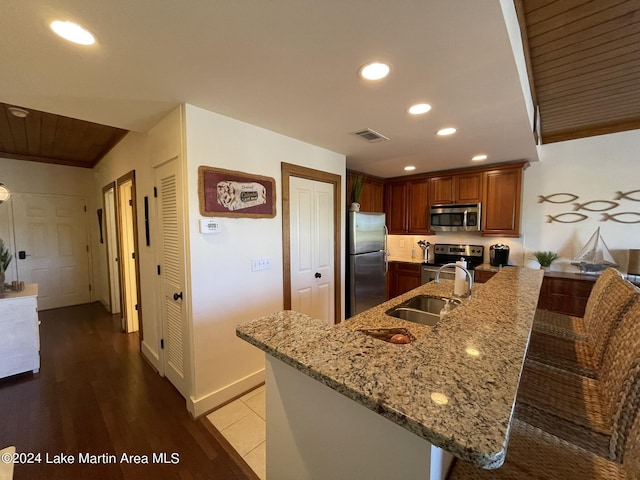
371	136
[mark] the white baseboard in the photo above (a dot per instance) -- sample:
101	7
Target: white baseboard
152	357
212	400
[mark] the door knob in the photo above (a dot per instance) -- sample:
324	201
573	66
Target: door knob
177	296
318	275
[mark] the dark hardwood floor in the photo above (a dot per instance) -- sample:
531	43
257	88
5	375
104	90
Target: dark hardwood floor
95	394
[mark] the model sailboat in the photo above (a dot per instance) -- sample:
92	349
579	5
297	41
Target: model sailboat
594	256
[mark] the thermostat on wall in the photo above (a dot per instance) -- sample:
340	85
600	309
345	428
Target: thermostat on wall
210	225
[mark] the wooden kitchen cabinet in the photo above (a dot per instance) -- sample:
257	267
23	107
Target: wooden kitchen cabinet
459	188
407	207
501	202
565	292
372	197
396	195
403	277
418	205
468	187
498	188
481	276
441	190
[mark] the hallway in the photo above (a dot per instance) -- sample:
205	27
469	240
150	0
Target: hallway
96	399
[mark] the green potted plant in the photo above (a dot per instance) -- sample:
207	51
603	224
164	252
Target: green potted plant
5	260
545	258
357	185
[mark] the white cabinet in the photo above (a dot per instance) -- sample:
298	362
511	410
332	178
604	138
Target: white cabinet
19	332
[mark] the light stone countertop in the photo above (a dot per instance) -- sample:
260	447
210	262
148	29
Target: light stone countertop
454	386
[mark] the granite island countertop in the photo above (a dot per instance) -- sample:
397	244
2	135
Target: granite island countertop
455	385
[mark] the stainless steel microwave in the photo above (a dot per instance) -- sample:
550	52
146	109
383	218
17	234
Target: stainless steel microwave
455	218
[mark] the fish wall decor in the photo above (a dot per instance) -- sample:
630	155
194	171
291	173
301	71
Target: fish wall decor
558	198
596	206
628	195
569	217
622	217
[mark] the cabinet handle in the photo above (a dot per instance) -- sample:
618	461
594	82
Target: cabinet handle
177	296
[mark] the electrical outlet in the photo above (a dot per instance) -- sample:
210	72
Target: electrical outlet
401	243
263	263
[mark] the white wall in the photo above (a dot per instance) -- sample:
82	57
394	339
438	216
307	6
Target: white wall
20	176
593	168
224	290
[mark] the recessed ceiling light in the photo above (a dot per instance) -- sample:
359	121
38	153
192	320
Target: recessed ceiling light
18	112
374	71
408	168
4	193
419	108
73	32
479	158
446	131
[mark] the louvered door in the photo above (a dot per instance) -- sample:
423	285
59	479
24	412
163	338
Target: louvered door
168	181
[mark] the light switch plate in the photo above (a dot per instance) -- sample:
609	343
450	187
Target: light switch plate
263	263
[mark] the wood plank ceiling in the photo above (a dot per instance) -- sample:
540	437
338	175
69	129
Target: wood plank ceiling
49	138
584	65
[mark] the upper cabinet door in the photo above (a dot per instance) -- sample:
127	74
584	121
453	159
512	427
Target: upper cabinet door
419	207
468	188
372	196
395	206
441	190
501	202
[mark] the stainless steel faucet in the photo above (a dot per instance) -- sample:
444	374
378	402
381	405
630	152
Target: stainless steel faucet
469	279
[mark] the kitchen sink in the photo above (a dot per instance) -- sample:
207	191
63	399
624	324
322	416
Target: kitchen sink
423	309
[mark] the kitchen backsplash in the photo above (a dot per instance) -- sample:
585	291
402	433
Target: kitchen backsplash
402	245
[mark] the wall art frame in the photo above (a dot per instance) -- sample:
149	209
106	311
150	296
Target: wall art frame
229	193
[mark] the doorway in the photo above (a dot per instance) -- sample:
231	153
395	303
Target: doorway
128	253
52	244
175	363
326	189
111	246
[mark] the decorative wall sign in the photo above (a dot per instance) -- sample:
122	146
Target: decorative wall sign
227	193
596	206
628	218
567	218
558	198
622	217
627	195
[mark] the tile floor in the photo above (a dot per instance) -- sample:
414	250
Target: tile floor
242	422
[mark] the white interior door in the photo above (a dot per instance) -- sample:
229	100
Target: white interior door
51	231
171	222
311	237
128	257
111	235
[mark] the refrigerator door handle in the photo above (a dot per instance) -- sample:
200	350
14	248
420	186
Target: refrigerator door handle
386	249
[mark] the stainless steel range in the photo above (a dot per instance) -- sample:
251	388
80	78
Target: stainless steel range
446	253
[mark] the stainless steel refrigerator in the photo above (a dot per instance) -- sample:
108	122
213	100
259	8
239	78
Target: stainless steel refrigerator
367	266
